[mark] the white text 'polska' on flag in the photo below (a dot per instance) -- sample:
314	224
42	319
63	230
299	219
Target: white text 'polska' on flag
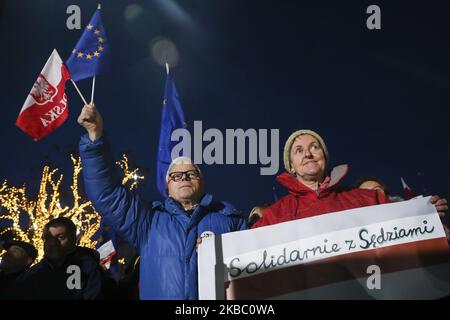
45	108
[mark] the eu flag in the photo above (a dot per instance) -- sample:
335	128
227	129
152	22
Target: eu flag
91	55
172	119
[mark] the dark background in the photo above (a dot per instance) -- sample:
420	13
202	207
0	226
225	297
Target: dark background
378	98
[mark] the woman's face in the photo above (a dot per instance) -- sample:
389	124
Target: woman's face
308	158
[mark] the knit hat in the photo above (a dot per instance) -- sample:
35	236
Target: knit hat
290	142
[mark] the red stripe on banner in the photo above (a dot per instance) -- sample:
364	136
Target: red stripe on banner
340	268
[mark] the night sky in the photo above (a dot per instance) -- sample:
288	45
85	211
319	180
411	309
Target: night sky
379	98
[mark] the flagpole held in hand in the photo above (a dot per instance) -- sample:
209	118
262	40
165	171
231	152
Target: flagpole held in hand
79	92
93	89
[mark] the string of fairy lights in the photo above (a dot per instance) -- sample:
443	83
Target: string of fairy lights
15	205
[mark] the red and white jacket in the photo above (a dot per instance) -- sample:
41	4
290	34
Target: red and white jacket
303	202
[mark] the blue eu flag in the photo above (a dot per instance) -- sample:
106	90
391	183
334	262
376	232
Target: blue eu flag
172	119
91	55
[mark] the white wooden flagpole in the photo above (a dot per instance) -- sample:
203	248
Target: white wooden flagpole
79	92
93	89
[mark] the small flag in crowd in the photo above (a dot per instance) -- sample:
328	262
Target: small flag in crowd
172	119
407	192
107	252
91	55
45	108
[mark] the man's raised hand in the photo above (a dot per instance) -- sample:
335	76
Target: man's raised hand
92	121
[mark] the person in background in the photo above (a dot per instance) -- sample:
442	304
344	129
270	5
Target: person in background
373	183
67	271
18	258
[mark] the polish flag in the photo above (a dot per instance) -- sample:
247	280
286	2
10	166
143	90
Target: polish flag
407	192
45	108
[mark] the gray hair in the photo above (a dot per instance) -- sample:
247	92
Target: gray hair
181	160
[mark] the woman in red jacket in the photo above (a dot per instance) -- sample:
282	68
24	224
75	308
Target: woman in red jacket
311	191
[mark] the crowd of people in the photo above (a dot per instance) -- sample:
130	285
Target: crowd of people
166	234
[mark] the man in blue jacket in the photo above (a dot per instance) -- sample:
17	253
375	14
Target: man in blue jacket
165	233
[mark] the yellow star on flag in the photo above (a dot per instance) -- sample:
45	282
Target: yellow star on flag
88	56
96	53
89	26
100	48
101	40
96	31
80	54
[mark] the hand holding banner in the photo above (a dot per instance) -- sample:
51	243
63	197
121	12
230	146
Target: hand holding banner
328	256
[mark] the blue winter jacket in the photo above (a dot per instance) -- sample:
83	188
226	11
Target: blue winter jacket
163	233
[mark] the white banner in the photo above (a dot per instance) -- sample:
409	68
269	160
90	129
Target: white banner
334	250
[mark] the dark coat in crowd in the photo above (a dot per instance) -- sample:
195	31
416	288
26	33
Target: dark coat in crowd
8	283
46	281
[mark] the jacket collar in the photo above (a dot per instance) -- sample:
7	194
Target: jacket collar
206	201
174	206
295	187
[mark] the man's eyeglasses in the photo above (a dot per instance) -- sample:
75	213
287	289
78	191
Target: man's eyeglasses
178	175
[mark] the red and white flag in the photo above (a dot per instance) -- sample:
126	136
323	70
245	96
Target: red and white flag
407	192
45	108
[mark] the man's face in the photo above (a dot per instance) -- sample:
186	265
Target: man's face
57	243
185	183
372	185
307	157
15	260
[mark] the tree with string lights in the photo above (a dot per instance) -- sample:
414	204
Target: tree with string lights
27	217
